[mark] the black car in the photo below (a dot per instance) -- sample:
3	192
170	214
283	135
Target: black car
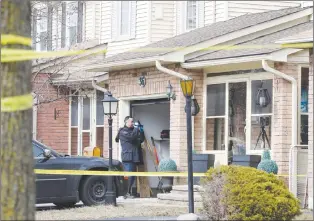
67	190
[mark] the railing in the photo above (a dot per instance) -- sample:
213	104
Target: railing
298	166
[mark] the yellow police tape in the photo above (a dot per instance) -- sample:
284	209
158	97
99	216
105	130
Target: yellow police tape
16	103
9	39
123	173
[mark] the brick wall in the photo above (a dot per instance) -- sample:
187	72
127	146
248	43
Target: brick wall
125	84
282	130
51	132
311	128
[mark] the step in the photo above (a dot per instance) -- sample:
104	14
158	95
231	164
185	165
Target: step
184	188
178	197
184	192
180	203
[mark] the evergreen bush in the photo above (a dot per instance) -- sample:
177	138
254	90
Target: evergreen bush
245	193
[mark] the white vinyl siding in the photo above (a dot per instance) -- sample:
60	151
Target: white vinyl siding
92	20
162	20
237	8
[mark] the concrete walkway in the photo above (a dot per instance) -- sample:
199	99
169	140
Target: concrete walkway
146	218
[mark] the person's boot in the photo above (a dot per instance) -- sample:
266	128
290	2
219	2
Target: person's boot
129	195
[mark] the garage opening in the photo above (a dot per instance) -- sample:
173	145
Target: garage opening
154	115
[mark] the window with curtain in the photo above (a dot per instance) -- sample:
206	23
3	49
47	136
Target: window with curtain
191	15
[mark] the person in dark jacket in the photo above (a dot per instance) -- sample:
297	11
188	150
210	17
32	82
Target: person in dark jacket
131	136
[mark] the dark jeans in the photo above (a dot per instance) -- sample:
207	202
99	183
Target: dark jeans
130	167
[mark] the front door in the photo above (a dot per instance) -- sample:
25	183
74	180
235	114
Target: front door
87	121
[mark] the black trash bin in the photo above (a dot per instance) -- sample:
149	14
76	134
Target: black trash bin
246	160
201	163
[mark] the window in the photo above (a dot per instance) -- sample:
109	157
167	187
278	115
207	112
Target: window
42	29
99	108
123	20
191	15
86	113
72	22
235	121
304	114
261	116
125	10
215	117
74	110
37	151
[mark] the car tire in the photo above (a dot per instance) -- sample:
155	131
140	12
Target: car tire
93	190
65	205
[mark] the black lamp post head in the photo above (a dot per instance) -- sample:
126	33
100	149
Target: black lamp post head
110	104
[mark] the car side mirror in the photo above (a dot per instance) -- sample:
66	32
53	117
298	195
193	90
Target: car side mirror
47	153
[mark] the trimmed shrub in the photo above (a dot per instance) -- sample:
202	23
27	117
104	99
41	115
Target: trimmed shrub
245	193
267	164
167	165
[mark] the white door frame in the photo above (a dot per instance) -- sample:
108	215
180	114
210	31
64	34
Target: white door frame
92	130
248	78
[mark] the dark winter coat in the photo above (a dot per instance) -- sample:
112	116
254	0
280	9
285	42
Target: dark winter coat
131	139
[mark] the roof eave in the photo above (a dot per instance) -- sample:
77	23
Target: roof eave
280	56
134	63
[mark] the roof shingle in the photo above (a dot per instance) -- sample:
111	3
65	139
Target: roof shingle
266	40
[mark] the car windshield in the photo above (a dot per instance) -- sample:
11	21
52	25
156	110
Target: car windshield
43	146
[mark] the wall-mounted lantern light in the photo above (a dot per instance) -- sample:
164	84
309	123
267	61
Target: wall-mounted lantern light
170	92
262	97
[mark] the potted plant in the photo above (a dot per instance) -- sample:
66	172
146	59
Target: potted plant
167	165
201	163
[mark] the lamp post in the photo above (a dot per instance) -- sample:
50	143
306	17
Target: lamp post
110	105
187	87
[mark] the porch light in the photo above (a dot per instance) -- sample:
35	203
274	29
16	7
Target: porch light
187	87
262	97
195	108
170	93
110	105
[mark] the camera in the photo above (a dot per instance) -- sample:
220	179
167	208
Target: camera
264	121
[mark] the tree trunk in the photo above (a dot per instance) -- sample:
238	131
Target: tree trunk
16	155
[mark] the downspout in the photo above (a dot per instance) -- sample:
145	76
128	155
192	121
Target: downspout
171	72
293	81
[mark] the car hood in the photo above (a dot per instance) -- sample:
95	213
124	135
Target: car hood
83	159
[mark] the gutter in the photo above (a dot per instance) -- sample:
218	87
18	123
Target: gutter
98	87
171	72
293	81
